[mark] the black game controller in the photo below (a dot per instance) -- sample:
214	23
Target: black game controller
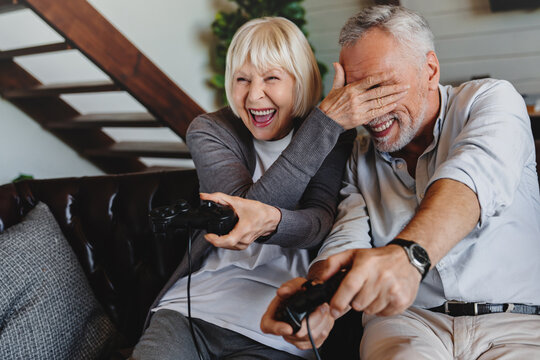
294	309
210	216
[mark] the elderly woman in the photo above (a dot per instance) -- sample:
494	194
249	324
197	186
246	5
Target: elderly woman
278	161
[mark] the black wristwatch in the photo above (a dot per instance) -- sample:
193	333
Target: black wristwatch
418	256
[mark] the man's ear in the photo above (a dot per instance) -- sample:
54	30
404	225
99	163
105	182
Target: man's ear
434	70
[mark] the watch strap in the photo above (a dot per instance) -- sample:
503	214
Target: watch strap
401	242
407	244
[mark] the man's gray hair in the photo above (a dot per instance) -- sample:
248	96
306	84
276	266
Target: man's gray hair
406	26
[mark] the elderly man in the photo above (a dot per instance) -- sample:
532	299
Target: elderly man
439	226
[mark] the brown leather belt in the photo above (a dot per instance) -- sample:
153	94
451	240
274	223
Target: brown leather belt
458	308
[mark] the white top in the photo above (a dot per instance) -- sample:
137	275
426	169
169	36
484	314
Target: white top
267	152
234	288
483	139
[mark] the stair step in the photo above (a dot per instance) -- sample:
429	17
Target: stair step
172	150
40	49
10	5
59	89
107	120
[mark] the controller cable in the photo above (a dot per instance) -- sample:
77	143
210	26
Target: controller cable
190	232
317	356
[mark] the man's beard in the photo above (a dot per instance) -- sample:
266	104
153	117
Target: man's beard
406	133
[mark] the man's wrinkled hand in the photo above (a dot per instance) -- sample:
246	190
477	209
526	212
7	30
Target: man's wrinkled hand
380	281
320	321
357	103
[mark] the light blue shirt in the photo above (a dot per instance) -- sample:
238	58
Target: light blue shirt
482	138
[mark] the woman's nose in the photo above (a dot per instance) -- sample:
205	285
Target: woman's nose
256	90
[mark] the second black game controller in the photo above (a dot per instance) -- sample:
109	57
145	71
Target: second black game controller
210	216
295	308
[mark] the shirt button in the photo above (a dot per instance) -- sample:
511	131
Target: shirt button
400	165
421	196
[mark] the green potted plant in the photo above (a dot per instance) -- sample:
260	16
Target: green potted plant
226	24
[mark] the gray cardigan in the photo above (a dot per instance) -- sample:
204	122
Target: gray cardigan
303	182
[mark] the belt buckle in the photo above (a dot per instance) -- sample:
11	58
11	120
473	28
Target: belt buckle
455	302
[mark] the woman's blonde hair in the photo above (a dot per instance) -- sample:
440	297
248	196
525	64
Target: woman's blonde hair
276	42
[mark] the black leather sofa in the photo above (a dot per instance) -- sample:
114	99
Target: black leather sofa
105	220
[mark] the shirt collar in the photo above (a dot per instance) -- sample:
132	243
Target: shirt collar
443	96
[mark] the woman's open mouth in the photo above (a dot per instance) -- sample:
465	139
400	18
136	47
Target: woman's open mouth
262	117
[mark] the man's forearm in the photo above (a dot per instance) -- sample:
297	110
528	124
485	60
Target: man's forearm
449	211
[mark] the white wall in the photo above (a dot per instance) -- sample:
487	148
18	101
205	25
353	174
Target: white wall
25	148
470	40
325	19
175	35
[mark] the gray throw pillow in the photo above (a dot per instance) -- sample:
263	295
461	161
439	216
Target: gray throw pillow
47	309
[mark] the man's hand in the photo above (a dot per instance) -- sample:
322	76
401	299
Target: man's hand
255	219
380	281
320	321
360	102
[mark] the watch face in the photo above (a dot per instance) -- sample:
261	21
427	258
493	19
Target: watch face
419	254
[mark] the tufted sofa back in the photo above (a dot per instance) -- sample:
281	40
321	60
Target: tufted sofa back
105	220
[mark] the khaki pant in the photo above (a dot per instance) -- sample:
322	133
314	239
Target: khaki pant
423	334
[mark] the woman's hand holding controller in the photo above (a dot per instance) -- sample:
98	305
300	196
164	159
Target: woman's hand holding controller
255	219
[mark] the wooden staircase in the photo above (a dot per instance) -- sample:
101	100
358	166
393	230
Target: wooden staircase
86	30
